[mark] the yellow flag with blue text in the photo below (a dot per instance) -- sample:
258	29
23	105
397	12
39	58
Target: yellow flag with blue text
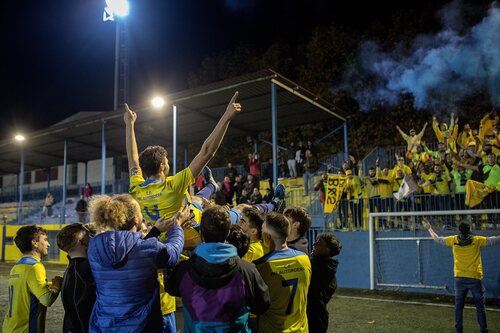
334	188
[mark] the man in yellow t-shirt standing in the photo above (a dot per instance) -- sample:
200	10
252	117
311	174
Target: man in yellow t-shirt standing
468	269
160	195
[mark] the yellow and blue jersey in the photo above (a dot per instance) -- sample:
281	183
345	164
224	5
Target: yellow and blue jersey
27	285
161	199
287	273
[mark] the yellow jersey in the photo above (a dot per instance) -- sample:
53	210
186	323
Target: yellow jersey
157	199
467	259
287	273
160	198
255	251
27	284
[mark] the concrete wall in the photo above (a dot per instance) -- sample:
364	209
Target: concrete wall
94	174
399	263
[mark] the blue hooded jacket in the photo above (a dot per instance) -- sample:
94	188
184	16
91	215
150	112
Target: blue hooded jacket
124	267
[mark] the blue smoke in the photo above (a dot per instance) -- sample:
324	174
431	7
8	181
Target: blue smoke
440	70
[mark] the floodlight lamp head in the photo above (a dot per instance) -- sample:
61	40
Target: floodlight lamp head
19	137
158	102
115	8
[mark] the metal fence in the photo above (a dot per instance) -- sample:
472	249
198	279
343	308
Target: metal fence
353	214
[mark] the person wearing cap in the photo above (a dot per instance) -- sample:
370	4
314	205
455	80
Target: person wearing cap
413	138
468	269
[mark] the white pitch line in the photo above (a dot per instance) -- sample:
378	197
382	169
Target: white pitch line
410	302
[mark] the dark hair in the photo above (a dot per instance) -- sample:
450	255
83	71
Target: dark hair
239	238
299	214
215	224
332	243
26	234
254	218
66	238
279	225
464	228
151	158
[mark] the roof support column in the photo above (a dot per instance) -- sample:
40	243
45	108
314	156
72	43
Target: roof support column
21	185
62	218
346	149
274	124
85	173
174	139
103	158
48	179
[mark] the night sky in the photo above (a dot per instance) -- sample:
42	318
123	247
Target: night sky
58	55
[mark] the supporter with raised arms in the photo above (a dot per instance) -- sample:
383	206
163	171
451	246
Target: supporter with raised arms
468	269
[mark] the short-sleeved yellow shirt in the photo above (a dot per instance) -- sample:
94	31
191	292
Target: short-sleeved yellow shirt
27	284
467	259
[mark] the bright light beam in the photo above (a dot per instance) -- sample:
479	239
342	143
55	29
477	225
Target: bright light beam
158	102
19	137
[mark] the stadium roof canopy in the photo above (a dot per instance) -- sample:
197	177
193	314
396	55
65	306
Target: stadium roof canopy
198	110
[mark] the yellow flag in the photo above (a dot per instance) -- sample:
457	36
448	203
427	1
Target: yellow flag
334	187
475	192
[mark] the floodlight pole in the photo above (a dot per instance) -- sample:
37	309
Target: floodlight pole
21	185
274	125
103	158
62	217
117	65
174	139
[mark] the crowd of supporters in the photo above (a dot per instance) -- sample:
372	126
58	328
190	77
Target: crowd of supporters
464	160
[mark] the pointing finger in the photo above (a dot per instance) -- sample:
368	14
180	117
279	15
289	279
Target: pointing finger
234	97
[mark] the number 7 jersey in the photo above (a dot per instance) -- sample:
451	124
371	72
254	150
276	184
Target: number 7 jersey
287	273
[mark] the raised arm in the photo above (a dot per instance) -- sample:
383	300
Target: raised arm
490	241
212	143
403	134
421	134
129	117
435	237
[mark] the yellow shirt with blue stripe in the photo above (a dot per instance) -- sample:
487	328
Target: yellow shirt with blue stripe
161	199
27	285
287	273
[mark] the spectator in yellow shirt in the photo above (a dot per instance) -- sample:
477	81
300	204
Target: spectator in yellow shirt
413	138
468	269
440	129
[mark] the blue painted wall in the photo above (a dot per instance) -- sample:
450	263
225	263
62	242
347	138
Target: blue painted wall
401	262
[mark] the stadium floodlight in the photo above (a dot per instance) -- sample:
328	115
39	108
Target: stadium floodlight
158	102
19	137
115	7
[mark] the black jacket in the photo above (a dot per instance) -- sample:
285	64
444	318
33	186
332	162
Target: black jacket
323	285
77	295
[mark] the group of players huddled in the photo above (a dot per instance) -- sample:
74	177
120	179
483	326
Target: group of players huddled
240	269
